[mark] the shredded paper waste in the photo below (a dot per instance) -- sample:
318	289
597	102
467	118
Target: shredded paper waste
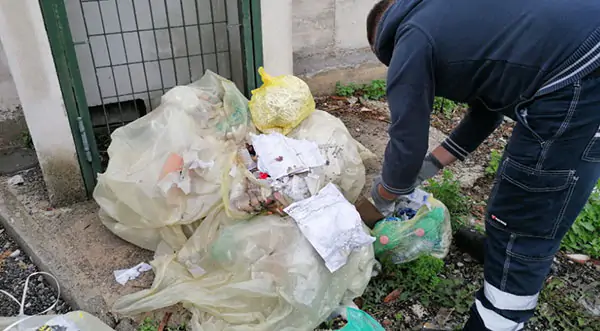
247	207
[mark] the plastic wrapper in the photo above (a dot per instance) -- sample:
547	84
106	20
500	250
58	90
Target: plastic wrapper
281	103
258	275
73	321
428	233
358	320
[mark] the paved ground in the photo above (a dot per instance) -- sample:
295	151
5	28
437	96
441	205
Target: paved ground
70	243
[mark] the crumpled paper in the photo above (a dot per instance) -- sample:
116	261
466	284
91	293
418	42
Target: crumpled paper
331	224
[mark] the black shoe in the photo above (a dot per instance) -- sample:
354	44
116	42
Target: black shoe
472	242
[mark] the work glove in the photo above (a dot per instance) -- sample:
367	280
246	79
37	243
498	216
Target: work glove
431	166
384	206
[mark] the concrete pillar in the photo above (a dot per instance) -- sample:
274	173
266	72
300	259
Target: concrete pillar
276	17
27	49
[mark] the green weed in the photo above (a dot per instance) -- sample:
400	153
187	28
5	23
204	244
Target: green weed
343	90
560	310
445	107
584	236
492	167
420	280
448	191
376	90
26	139
152	325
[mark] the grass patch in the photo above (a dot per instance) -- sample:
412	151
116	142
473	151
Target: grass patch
420	280
494	164
584	236
446	107
26	139
376	90
448	191
152	325
560	310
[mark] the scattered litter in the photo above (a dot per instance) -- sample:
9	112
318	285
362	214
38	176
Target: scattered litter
579	258
331	224
125	275
443	316
281	156
418	310
16	180
393	296
407	206
164	322
15	253
358	320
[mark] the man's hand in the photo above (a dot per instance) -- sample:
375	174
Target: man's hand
384	201
433	163
431	167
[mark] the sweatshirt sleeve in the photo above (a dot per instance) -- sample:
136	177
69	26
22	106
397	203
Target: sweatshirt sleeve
410	93
474	128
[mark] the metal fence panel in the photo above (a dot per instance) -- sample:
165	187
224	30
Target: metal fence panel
130	52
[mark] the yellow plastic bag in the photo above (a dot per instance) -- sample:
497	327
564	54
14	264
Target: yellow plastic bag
281	104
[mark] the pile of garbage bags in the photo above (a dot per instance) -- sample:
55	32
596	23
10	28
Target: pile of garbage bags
188	182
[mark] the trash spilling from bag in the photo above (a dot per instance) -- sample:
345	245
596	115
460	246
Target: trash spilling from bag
241	222
420	227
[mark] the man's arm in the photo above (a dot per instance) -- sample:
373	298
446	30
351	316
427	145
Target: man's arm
410	92
474	128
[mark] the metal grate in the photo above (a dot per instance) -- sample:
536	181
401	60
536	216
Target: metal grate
130	52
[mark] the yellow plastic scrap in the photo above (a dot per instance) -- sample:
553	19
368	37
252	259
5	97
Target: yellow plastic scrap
281	103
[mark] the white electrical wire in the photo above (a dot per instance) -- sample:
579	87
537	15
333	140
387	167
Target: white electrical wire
24	296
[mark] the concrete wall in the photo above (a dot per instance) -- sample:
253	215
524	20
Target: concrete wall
329	36
9	99
27	49
12	122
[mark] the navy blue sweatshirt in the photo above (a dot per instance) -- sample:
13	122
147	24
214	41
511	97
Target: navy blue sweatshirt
490	54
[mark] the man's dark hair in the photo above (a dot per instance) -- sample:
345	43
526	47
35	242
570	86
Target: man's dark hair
373	18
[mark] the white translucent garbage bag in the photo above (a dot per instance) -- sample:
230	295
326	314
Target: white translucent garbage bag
201	124
344	155
259	275
73	321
